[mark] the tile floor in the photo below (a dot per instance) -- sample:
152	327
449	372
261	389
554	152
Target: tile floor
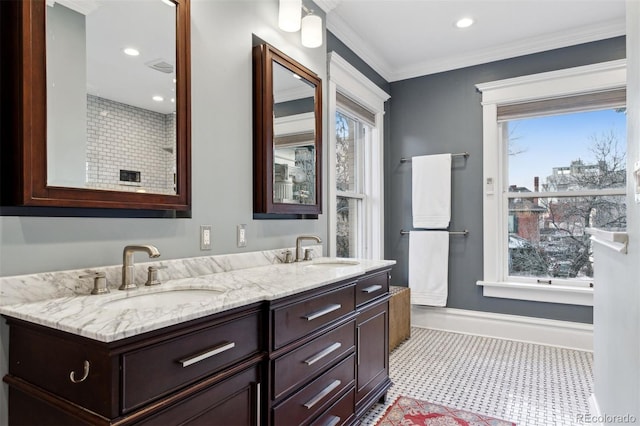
531	385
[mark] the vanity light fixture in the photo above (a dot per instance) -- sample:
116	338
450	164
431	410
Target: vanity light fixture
131	51
289	15
311	33
464	22
290	19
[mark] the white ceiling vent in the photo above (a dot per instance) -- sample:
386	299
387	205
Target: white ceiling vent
160	65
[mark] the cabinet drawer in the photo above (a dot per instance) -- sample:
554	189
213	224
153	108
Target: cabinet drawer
294	321
340	413
156	370
231	402
300	365
371	287
311	400
71	368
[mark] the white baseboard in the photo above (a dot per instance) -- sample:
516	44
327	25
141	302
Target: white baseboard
594	409
564	334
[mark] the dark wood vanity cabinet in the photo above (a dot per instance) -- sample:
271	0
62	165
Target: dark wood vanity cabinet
203	369
329	358
372	333
319	357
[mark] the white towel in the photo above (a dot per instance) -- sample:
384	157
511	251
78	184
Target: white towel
429	267
431	191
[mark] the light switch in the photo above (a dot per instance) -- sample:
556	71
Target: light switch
242	235
205	237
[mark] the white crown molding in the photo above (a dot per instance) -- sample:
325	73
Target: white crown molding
505	51
563	334
345	34
327	5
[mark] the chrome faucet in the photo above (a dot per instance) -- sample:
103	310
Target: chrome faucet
127	263
299	256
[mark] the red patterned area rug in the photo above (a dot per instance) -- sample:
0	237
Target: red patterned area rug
407	411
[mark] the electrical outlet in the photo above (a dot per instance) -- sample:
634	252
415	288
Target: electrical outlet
205	237
242	235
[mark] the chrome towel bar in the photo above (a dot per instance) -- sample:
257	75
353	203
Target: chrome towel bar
461	154
464	233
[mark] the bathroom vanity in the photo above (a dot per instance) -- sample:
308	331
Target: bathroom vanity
283	344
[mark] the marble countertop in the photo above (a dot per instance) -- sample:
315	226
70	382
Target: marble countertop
121	314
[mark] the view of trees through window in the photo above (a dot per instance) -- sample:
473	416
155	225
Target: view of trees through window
566	173
349	135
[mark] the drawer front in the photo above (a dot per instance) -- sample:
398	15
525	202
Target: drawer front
371	287
340	413
231	402
311	400
300	365
294	321
70	369
156	370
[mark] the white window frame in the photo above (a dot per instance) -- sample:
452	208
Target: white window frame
555	84
344	78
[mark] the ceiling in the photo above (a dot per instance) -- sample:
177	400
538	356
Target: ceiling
402	39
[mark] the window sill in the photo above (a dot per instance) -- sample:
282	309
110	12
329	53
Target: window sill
538	292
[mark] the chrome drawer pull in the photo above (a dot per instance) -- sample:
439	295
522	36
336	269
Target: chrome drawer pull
207	354
317	357
85	374
372	288
332	421
322	312
326	391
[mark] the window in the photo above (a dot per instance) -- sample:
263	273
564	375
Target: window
554	165
351	144
356	109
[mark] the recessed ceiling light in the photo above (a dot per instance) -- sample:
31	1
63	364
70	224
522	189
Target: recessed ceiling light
131	51
464	22
158	98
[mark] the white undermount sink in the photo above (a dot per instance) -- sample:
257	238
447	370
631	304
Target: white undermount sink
163	299
332	263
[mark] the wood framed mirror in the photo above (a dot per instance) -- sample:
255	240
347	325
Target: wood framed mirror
93	124
287	150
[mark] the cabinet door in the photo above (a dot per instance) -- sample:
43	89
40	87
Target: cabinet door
232	402
372	329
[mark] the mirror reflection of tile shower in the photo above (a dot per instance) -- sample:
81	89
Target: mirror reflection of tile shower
146	143
110	108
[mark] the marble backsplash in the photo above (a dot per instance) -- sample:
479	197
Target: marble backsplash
51	285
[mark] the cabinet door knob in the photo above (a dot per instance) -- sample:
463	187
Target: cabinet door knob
72	375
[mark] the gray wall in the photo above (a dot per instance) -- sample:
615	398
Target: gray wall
442	113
